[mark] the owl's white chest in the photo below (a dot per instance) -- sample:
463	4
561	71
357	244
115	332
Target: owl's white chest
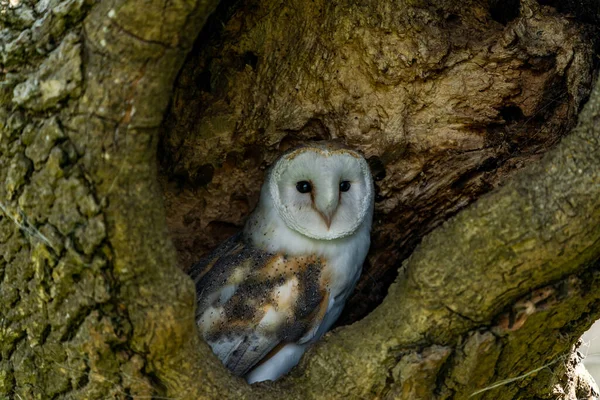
344	257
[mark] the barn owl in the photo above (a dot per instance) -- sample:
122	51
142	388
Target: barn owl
271	291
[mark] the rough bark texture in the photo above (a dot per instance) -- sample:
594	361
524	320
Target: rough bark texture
446	99
92	304
83	89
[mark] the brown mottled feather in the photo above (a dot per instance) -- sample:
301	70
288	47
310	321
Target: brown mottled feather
250	301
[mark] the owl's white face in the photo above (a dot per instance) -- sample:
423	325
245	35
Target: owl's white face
320	192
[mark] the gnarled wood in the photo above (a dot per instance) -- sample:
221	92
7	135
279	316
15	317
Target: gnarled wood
92	303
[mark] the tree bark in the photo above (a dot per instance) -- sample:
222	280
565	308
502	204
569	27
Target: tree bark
489	305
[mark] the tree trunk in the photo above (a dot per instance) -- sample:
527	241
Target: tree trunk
448	100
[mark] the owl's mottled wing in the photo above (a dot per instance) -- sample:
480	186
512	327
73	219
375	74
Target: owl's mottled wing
249	301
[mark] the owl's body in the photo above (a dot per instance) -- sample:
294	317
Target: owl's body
269	292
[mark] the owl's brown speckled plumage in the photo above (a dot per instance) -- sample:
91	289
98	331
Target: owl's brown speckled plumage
259	277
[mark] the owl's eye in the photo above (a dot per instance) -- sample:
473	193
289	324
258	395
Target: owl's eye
344	186
303	186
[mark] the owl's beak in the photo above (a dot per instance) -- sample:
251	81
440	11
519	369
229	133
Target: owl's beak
326	206
327	219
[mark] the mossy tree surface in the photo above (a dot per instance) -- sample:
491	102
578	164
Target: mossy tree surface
92	303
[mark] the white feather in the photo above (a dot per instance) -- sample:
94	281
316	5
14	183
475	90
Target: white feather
280	364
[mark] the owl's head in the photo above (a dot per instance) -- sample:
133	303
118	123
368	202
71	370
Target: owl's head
322	190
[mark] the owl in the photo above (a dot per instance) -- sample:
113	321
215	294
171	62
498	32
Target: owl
268	293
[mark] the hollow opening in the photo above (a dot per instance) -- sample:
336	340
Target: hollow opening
210	189
239	102
504	11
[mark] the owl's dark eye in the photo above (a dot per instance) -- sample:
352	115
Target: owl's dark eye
303	186
344	186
